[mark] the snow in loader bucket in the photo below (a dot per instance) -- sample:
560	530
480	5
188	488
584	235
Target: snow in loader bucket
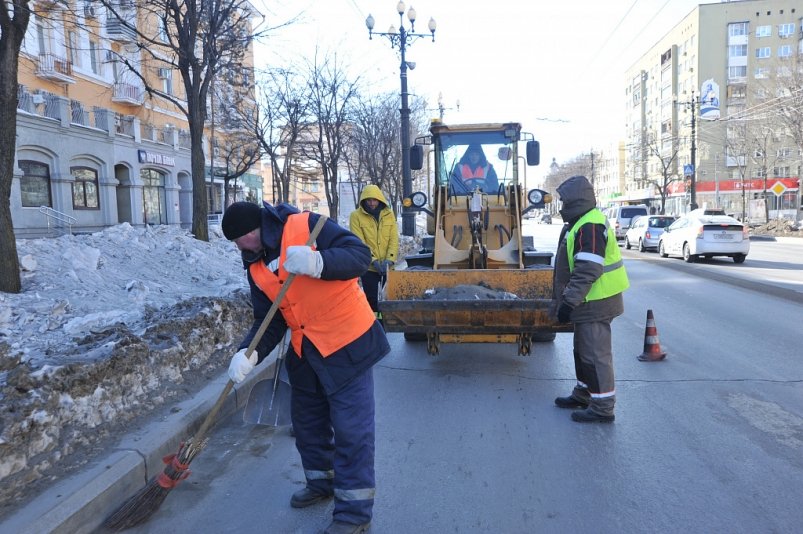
460	301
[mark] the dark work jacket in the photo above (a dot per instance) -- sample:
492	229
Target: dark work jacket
345	257
577	196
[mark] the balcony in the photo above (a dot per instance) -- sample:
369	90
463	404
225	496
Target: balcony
125	93
123	27
54	68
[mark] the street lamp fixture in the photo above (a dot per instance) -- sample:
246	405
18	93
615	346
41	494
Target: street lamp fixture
401	39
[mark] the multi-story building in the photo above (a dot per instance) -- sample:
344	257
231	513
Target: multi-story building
94	148
700	110
608	174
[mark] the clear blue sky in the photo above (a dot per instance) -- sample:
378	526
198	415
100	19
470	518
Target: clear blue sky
508	60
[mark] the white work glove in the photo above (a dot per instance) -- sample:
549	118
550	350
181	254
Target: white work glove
241	365
303	260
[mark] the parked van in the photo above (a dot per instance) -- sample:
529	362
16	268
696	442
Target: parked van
620	217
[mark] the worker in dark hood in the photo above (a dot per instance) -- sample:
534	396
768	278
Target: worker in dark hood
589	280
335	340
375	223
473	170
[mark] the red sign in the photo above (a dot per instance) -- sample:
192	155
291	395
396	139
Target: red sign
752	184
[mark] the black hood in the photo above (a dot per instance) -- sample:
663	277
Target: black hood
577	196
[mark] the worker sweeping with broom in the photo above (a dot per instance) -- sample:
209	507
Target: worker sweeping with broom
335	340
302	270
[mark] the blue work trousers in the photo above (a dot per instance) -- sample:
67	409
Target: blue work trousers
335	438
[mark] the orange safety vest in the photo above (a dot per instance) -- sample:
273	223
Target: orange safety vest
331	313
467	173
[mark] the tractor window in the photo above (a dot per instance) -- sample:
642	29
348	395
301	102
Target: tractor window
468	161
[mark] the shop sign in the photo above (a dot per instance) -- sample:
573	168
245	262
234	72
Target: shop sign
156	159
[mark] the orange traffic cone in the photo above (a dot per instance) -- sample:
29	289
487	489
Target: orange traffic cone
652	348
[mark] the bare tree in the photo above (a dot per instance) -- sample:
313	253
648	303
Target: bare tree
331	97
201	39
665	150
762	143
789	104
737	147
238	147
14	18
277	124
373	148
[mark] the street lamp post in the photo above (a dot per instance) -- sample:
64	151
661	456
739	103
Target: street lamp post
402	39
692	105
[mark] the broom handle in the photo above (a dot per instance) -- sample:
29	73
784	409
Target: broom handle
257	337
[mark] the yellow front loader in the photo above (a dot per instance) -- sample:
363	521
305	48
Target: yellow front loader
478	279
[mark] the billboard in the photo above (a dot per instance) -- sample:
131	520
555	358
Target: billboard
709	100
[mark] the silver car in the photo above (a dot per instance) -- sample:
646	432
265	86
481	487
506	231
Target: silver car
705	233
645	230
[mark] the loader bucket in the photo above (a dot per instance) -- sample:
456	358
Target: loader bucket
405	305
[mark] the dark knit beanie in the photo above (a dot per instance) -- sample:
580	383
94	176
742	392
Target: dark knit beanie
240	218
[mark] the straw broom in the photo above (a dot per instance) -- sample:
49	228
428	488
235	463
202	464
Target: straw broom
147	501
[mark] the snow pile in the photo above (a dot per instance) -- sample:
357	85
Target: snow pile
108	327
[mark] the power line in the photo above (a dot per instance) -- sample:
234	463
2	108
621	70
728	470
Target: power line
611	34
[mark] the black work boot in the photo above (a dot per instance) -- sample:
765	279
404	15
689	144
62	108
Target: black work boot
587	416
307	497
341	527
571	402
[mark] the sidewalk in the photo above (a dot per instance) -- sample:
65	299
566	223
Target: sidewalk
79	504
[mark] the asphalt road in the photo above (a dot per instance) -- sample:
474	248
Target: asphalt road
710	439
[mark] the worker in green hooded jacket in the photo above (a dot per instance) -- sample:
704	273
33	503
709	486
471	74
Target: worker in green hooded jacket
375	224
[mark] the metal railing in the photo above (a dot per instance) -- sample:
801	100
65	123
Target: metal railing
57	218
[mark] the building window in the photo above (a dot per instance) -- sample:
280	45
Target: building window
166	75
764	31
785	51
784	71
737	28
780	172
761	73
35	184
74	50
94	57
737	50
43	38
786	30
763	52
154	202
84	188
737	72
737	91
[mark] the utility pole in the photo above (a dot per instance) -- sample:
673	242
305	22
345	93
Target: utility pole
592	167
692	104
695	100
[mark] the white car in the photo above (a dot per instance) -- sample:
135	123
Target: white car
705	233
620	217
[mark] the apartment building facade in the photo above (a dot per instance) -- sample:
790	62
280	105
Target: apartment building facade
707	91
94	149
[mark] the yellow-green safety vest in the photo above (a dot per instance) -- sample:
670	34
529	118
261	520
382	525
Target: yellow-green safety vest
614	278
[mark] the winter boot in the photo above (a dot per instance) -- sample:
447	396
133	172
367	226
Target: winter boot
307	497
341	527
587	416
